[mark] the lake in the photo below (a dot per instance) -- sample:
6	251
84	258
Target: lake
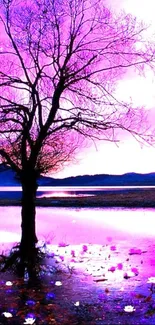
81	225
109	255
70	228
44	191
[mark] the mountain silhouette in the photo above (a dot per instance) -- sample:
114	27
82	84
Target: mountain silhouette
8	178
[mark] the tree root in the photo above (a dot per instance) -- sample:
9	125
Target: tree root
9	261
20	265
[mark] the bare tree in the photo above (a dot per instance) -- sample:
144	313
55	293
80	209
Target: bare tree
59	64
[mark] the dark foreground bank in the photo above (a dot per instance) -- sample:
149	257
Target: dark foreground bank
107	284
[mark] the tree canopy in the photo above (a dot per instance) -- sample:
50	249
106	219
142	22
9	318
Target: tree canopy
60	61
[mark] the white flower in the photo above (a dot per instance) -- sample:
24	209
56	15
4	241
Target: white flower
29	320
151	279
128	275
58	283
129	309
9	283
7	315
77	303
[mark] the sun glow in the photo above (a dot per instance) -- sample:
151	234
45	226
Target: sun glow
55	194
62	194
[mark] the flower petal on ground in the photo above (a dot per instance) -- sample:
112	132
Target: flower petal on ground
58	283
151	279
129	309
8	283
7	315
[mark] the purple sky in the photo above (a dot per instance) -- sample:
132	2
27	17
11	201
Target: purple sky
129	156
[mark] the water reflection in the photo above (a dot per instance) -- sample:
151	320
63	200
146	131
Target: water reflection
85	225
122	249
52	194
9	237
9	192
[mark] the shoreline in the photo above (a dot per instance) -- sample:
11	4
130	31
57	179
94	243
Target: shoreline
139	198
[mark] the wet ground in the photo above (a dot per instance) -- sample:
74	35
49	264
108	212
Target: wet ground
100	268
86	285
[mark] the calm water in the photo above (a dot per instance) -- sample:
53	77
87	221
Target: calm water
100	229
116	232
75	226
15	191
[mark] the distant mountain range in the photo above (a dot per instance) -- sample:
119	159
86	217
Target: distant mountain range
7	178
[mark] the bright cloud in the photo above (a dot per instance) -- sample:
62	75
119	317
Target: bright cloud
129	156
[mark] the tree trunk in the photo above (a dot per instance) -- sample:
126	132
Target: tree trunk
28	212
